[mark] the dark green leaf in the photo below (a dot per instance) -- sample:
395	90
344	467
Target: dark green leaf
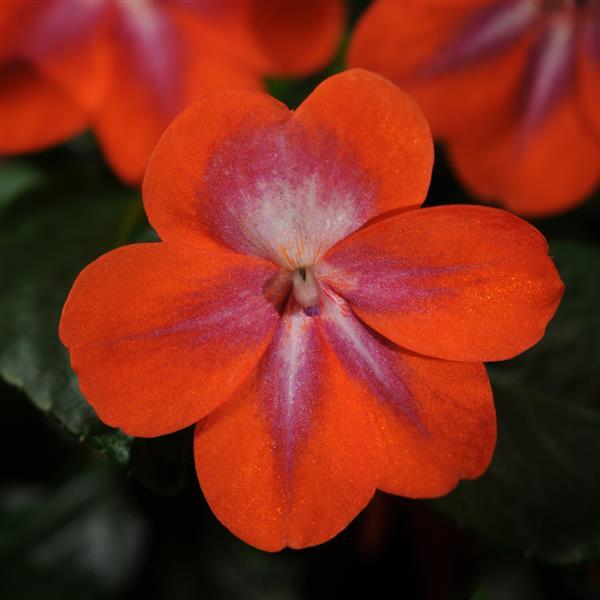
542	492
16	178
45	240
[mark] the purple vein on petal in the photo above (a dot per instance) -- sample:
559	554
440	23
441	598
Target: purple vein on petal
155	51
488	31
389	283
59	23
369	358
236	313
290	380
549	70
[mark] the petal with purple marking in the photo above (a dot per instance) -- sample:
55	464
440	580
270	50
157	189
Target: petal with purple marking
550	70
285	193
242	167
160	336
457	282
159	67
433	420
146	85
491	29
529	170
459	64
289	461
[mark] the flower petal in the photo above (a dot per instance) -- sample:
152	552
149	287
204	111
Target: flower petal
147	90
53	70
297	37
35	113
434	420
475	91
271	37
462	283
67	42
531	173
289	461
160	336
241	169
382	126
588	65
177	167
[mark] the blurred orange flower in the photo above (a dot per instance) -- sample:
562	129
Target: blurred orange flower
127	67
324	332
511	86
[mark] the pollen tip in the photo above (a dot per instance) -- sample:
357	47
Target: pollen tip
312	311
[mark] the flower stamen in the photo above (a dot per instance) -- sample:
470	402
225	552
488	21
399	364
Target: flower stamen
306	290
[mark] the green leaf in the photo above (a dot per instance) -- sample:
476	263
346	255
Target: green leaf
45	240
542	492
81	540
16	178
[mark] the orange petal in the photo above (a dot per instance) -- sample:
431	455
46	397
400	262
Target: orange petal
34	112
145	93
459	429
12	15
462	283
434	420
160	336
290	460
270	37
382	126
54	70
548	171
132	107
400	39
177	167
239	167
588	64
67	42
297	37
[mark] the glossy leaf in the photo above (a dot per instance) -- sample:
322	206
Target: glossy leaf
45	240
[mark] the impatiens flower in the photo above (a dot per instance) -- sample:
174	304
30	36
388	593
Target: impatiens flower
511	86
325	334
127	67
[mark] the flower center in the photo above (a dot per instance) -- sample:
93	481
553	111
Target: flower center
306	290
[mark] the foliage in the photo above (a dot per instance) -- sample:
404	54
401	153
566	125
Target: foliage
46	238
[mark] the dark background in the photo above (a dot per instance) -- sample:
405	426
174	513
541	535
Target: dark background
87	513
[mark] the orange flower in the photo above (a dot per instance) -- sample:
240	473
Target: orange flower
127	67
324	333
512	87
